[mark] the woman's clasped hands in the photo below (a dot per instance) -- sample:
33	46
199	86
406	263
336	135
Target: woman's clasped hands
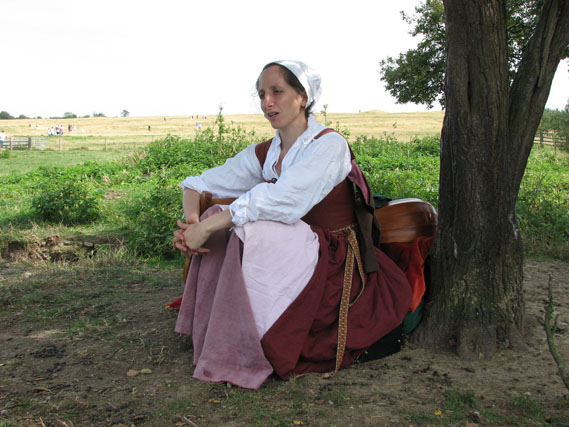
190	238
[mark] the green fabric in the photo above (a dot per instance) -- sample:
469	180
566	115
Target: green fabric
380	200
413	318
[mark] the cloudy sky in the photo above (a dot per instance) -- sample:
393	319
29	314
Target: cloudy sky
178	57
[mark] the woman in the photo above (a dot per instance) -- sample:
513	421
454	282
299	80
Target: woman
280	284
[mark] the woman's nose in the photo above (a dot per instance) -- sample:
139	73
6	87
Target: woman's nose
267	100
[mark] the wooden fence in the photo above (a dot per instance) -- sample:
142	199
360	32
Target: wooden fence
40	143
550	138
24	143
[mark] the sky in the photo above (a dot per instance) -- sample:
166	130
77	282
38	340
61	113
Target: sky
186	57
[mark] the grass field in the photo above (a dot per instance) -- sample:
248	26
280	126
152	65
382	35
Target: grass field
93	132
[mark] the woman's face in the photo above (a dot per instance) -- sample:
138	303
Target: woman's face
282	105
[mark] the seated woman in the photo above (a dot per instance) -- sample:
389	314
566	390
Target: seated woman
289	278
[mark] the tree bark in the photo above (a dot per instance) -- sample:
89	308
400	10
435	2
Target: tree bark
476	300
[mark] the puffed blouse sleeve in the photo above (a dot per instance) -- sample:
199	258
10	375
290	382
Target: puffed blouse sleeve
315	170
236	176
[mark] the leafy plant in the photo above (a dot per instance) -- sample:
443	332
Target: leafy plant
153	220
67	202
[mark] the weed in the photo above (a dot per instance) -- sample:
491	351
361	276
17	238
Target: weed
153	219
337	395
527	407
67	202
458	400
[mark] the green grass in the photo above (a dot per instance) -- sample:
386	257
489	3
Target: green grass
256	408
528	409
21	162
457	407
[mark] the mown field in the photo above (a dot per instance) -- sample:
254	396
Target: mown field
128	132
86	267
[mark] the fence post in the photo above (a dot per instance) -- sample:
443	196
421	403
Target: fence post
10	143
541	138
29	143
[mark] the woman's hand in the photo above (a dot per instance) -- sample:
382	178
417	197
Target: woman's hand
195	236
190	237
179	238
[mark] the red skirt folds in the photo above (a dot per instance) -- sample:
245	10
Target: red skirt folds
305	337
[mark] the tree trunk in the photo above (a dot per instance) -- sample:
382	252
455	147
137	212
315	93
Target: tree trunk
476	300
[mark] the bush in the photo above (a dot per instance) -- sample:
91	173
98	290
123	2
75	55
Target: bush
153	220
193	156
399	170
66	202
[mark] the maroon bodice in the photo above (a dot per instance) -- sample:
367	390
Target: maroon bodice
336	210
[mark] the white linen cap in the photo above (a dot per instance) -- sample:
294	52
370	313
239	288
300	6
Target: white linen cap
308	78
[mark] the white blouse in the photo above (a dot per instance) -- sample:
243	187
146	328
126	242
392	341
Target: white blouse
309	171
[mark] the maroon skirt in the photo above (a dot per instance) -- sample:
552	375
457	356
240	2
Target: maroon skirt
305	337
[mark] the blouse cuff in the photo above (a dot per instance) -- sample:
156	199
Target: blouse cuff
238	210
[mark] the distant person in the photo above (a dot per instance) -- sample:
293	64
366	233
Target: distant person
2	138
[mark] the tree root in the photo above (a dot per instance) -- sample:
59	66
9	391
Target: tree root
549	331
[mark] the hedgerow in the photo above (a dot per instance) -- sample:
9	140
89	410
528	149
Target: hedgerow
149	197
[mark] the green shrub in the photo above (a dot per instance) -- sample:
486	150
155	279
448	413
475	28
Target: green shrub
66	202
400	170
194	155
152	220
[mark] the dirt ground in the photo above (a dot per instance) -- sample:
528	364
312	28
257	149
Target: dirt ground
92	345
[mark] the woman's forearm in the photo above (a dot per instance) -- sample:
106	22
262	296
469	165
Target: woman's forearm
191	205
195	235
218	221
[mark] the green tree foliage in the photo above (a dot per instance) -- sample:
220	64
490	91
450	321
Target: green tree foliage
418	75
69	115
4	115
125	113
